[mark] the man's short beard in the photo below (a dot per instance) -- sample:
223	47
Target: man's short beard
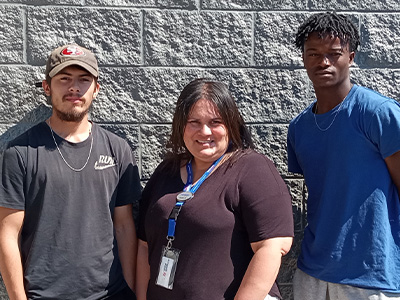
72	116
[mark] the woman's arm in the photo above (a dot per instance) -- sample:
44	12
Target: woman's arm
142	270
263	268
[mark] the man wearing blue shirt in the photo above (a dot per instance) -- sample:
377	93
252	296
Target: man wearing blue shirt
347	146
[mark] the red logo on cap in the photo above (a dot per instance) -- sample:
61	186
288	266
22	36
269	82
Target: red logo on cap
72	51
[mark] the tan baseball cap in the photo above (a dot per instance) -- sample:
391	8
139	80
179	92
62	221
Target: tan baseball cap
69	55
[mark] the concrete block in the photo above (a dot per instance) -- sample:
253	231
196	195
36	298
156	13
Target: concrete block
47	2
274	36
334	5
140	94
183	4
286	291
296	189
268	95
254	4
153	142
112	34
183	38
286	272
11	34
384	81
159	90
7	133
20	100
288	267
270	140
289	262
117	100
380	41
3	292
379	5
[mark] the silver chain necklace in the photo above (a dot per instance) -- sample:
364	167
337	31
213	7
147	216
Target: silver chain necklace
315	118
62	156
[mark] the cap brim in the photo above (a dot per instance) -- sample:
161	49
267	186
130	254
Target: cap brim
68	63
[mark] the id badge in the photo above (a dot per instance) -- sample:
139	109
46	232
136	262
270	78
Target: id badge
166	271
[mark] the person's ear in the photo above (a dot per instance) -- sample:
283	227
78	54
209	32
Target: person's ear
351	58
46	88
96	90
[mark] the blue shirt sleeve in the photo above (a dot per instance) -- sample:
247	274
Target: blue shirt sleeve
384	129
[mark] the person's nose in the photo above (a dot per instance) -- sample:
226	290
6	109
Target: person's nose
205	129
325	61
74	87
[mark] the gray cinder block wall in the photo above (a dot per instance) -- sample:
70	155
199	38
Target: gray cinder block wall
149	49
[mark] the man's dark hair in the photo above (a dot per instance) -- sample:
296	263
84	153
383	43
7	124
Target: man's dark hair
329	23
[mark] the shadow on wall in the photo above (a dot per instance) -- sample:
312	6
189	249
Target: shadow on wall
30	119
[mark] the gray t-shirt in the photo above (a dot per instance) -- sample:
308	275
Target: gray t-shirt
67	241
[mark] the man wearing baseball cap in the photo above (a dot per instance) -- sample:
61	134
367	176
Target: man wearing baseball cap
66	194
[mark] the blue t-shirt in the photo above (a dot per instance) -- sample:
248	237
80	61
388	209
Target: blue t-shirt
353	206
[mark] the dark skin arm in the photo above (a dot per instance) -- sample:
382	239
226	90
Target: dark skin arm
393	165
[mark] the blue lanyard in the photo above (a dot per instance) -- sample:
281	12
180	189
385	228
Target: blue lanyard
189	182
187	194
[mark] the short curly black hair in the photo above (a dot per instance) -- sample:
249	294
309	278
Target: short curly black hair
329	23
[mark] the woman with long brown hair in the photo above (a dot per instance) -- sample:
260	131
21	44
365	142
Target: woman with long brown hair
215	217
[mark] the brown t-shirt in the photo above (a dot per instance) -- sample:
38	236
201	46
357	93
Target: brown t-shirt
236	205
